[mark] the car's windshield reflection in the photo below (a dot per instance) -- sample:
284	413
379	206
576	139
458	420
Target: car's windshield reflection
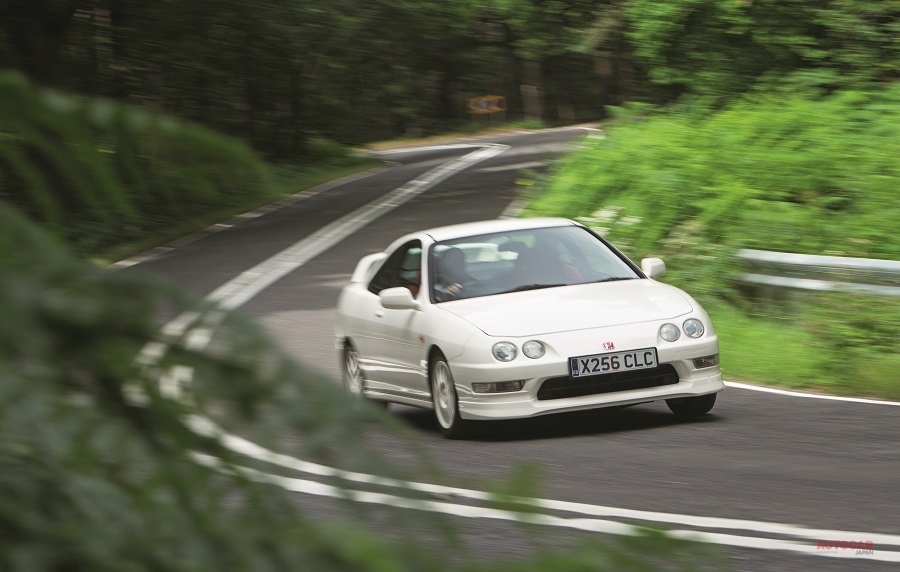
532	259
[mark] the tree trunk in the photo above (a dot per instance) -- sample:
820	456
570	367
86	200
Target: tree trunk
603	67
565	111
37	34
532	90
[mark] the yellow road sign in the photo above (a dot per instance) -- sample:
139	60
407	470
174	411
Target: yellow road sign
486	104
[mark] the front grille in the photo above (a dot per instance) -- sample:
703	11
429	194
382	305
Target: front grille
563	387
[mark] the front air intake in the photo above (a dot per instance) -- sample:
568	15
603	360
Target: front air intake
563	387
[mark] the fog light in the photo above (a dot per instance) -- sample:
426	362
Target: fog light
706	361
498	386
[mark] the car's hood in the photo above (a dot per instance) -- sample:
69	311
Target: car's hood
569	308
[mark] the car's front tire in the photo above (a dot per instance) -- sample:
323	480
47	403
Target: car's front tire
445	401
692	406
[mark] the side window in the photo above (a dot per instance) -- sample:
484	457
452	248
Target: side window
402	268
411	269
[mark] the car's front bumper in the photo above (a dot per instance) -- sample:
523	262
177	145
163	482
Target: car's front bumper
526	404
691	381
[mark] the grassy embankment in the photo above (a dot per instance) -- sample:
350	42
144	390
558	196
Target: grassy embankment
284	181
783	172
111	180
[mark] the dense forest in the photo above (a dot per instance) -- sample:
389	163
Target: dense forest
281	73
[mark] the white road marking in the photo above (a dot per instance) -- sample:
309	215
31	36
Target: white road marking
244	287
583	524
515	167
809	395
237	219
449	146
206	427
249	283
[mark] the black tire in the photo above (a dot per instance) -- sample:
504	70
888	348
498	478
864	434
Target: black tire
444	401
353	377
692	406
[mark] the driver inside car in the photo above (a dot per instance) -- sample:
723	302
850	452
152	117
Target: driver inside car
451	275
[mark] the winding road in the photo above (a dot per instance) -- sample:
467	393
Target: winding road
773	479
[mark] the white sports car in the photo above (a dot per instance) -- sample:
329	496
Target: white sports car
506	319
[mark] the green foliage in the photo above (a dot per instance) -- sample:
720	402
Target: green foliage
822	343
89	480
854	329
725	47
647	552
540	29
526	124
99	173
866	324
319	149
806	174
630	111
749	339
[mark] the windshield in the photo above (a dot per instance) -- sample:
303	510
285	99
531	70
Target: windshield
530	259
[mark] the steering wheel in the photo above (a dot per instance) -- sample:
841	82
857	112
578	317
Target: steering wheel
468	289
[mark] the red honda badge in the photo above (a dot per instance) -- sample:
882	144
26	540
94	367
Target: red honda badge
609	346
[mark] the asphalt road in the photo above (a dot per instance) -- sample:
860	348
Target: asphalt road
830	470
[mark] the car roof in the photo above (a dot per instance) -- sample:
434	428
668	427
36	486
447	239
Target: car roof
495	225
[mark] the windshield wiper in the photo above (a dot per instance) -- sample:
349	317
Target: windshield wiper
615	278
534	287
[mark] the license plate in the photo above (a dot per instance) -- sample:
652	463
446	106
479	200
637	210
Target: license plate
599	364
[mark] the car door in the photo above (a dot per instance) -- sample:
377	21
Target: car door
395	346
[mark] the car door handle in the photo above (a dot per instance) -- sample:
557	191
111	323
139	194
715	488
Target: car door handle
379	314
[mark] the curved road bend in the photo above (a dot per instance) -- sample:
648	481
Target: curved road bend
794	467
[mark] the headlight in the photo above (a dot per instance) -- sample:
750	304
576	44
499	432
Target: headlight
533	349
693	328
505	351
669	332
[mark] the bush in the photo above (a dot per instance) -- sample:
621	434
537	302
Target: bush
98	173
319	149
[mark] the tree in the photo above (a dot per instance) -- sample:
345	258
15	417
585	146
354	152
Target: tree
725	47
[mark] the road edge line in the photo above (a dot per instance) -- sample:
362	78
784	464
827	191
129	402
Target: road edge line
826	397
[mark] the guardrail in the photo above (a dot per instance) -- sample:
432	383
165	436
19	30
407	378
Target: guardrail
820	273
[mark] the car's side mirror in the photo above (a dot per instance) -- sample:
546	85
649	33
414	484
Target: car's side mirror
653	267
399	298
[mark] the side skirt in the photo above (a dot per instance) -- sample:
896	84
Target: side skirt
392	397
